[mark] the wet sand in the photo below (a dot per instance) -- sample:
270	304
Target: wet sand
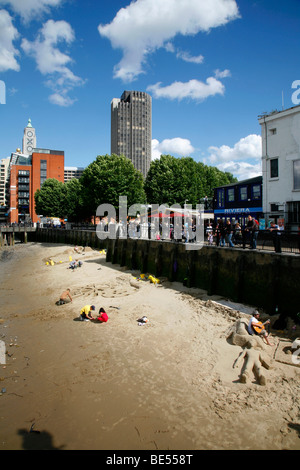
165	385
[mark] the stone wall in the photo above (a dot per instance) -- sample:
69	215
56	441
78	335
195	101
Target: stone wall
262	279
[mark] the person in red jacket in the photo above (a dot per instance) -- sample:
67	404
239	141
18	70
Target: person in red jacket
102	316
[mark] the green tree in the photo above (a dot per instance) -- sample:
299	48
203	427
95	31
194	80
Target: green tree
108	178
73	209
173	180
50	199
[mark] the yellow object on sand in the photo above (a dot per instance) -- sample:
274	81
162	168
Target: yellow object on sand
47	264
70	258
154	280
52	263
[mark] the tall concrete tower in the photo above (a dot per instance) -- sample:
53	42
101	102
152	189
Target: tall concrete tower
29	139
131	128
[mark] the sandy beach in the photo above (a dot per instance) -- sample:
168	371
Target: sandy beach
168	384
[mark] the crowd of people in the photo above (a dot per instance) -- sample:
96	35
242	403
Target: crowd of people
222	233
233	234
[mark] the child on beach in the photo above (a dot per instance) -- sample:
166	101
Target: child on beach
64	298
85	312
102	318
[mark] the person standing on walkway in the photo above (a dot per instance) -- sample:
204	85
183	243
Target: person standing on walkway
251	228
229	233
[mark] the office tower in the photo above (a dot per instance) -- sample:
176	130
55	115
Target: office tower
131	131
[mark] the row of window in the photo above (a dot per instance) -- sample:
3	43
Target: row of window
240	195
43	172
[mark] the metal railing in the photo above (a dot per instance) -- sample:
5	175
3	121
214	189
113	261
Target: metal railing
278	241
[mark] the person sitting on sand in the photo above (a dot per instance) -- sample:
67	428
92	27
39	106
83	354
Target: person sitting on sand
256	327
102	318
85	312
65	297
75	264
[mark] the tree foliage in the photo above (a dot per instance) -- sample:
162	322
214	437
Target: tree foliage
173	180
170	180
108	178
50	199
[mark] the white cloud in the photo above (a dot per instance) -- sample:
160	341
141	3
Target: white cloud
242	170
188	58
51	61
61	100
147	25
246	148
222	74
49	58
194	89
29	8
8	34
243	160
176	146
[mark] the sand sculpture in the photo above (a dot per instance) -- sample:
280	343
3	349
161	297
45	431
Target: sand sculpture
253	353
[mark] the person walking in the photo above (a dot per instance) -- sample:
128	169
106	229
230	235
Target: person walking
229	233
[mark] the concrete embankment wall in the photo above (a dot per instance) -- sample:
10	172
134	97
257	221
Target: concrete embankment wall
262	279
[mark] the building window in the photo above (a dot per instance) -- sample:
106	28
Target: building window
43	170
274	168
274	207
220	198
256	192
243	193
296	174
273	131
230	195
294	212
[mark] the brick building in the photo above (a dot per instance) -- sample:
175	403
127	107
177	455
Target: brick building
27	174
28	170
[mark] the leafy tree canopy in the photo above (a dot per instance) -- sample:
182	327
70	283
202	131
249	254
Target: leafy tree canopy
108	178
50	199
173	180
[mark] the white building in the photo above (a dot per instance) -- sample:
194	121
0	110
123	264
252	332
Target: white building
71	172
280	132
4	167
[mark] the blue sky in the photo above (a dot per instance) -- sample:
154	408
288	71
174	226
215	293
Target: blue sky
211	67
